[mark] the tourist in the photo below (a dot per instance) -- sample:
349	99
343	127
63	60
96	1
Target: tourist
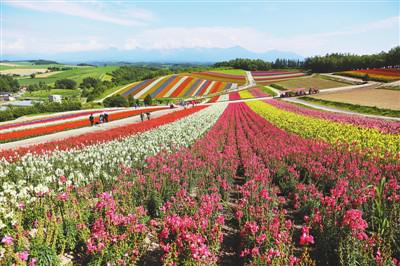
91	119
105	117
101	119
148	115
142	116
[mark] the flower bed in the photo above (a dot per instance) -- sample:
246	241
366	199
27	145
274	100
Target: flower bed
329	131
62	125
384	126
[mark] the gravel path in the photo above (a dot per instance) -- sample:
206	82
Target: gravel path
81	131
332	109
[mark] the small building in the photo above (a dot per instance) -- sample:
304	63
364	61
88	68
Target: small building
55	98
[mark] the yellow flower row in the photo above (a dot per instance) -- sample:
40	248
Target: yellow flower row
245	94
328	131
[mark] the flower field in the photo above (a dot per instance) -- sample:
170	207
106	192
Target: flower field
178	86
266	77
255	183
57	125
380	74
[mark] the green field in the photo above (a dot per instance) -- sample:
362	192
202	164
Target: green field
268	90
77	74
230	71
46	93
29	65
310	82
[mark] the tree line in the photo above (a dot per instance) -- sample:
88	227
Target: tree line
326	63
340	62
258	64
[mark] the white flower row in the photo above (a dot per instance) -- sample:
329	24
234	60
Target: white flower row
36	173
223	98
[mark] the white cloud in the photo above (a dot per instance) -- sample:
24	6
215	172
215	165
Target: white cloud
90	10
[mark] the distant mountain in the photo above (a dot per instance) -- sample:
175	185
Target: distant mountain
184	55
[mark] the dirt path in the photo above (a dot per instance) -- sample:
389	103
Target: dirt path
332	109
81	131
342	77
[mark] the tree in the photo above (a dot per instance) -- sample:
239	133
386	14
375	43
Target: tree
8	84
115	101
148	100
33	75
68	84
131	100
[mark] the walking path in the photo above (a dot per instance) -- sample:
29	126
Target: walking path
369	85
342	77
81	131
332	109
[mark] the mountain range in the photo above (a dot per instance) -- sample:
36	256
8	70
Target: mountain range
184	55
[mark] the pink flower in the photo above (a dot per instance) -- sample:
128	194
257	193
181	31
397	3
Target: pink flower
63	196
7	240
62	179
23	255
305	237
32	262
353	219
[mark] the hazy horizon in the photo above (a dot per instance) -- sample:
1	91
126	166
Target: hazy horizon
302	28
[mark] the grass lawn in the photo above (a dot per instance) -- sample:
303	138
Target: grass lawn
77	74
46	93
354	107
266	89
230	71
310	82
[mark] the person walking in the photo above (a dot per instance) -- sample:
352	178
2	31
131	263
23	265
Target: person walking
91	119
105	117
148	115
142	116
101	119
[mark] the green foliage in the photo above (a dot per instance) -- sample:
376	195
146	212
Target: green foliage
148	100
65	84
154	204
116	101
278	87
247	64
258	64
127	74
44	254
43	62
8	84
339	62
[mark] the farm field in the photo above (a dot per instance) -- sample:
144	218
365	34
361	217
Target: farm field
182	183
77	74
387	99
230	71
378	74
310	82
46	93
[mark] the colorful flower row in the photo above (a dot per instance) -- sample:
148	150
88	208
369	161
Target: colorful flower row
384	126
67	125
329	131
287	194
177	86
52	118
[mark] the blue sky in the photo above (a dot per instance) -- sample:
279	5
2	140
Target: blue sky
304	27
